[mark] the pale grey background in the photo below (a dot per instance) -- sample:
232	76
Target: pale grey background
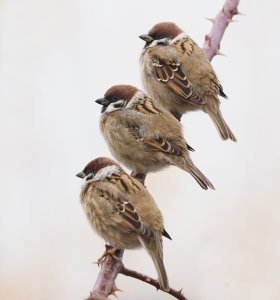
57	56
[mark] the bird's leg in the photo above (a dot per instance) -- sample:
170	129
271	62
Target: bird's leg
139	176
109	251
114	253
100	259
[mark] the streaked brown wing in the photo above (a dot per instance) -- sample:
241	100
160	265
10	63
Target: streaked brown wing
171	74
124	183
217	87
162	145
130	217
146	106
185	46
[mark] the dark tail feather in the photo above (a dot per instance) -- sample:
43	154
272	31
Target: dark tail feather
190	148
162	276
154	248
202	180
166	234
222	126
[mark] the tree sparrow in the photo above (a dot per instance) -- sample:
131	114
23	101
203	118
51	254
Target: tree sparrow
122	211
143	135
176	73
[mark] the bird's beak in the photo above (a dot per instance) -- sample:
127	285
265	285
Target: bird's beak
102	101
81	175
147	38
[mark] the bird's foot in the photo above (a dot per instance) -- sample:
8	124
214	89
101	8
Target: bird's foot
109	251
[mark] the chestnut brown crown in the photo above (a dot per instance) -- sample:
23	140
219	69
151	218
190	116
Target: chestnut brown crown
125	92
165	30
96	165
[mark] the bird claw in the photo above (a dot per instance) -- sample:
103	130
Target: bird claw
100	259
113	252
109	251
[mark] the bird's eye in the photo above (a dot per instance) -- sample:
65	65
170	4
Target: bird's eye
158	37
115	98
162	43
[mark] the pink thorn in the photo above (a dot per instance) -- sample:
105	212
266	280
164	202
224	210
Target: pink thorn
218	52
212	20
231	21
241	14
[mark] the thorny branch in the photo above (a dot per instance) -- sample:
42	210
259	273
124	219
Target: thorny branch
105	283
212	41
151	281
110	267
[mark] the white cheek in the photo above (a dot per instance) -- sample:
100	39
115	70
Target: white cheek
105	172
100	175
86	182
112	107
166	42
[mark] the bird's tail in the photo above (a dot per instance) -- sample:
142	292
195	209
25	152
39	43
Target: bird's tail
221	125
201	179
185	163
156	254
162	276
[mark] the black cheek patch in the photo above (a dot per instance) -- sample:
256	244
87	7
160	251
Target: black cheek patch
103	108
146	45
118	105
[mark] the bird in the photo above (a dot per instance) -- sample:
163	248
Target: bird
175	72
122	211
144	136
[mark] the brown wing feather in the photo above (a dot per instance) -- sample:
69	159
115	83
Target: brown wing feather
124	183
185	46
162	145
171	74
124	207
146	106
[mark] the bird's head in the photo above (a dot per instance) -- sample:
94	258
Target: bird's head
96	166
116	97
161	34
